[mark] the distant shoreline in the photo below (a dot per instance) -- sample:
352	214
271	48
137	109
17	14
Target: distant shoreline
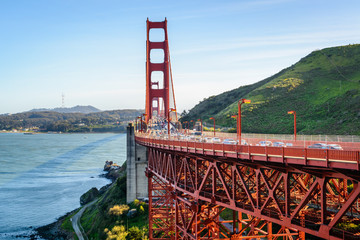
34	133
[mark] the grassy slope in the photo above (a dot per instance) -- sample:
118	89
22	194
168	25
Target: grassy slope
323	88
96	218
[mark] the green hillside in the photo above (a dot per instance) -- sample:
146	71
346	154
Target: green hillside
323	88
108	217
97	218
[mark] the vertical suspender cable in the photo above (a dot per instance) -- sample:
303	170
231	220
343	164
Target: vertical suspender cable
172	83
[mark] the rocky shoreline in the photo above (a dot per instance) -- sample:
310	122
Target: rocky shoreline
113	171
54	231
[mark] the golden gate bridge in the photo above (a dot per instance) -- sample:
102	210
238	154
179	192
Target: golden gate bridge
211	190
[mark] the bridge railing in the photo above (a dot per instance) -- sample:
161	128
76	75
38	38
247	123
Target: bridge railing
285	137
328	158
346	142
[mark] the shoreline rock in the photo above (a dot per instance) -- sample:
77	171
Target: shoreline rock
89	196
113	170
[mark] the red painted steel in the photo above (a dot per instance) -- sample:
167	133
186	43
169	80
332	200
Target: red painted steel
240	102
313	200
161	212
151	93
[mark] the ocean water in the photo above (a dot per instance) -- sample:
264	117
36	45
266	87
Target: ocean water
42	176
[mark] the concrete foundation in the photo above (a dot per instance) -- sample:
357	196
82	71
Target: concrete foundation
136	163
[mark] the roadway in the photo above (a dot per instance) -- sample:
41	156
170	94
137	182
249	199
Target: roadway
75	220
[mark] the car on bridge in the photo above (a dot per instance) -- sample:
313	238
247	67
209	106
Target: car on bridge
229	141
189	138
265	143
196	136
177	136
216	140
278	144
334	146
318	146
243	142
164	136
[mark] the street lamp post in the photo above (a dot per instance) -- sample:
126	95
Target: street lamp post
241	101
192	122
170	110
237	124
214	124
201	126
294	113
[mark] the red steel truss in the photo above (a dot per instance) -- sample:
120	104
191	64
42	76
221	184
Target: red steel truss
189	191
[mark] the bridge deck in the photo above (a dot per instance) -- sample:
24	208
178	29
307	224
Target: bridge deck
324	158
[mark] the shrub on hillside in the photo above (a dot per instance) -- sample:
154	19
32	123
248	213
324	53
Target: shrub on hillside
118	210
134	233
117	232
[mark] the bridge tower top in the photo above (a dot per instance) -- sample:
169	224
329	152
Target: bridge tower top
157	90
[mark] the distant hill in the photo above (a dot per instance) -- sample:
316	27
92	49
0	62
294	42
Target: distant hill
76	109
323	88
107	121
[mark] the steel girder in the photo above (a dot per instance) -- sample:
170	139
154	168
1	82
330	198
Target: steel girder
161	208
196	188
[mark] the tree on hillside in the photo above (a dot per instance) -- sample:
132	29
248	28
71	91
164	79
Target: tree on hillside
184	113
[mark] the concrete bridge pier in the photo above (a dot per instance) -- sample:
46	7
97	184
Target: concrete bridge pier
136	163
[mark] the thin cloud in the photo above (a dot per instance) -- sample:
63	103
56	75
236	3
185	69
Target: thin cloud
283	40
227	8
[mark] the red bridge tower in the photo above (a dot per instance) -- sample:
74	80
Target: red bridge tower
157	96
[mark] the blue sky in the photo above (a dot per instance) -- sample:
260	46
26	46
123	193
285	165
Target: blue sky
94	51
